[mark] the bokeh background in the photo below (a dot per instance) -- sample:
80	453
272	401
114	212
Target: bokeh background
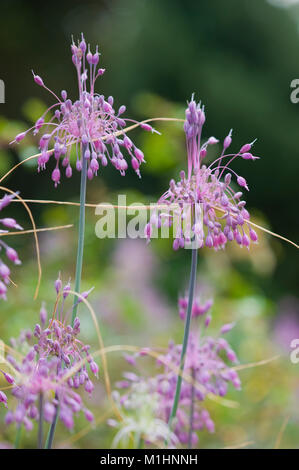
239	57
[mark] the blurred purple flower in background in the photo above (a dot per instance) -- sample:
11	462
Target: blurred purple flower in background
207	371
133	270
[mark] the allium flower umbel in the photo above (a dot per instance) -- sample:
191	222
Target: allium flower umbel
206	364
50	351
89	121
208	205
10	253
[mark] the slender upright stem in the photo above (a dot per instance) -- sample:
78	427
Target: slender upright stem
79	264
191	412
40	422
80	232
186	335
51	432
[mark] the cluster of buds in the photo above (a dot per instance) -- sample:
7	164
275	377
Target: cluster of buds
10	253
207	372
208	209
54	367
90	123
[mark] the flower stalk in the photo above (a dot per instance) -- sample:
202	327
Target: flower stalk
50	437
186	335
40	422
81	232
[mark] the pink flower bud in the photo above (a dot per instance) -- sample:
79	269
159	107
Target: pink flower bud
4	271
94	368
20	137
104	161
9	378
107	108
146	127
58	284
203	153
83	45
56	176
121	110
139	154
88	415
242	182
95	58
226	328
227	178
12	255
94	165
245	241
89	386
135	164
67	418
68	171
228	140
127	142
38	79
253	235
10	223
209	241
100	72
245	148
212	140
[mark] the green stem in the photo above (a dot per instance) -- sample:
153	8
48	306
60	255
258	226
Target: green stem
186	335
79	264
18	436
80	232
51	432
40	422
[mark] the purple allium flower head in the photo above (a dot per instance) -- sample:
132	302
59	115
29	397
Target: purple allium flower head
206	206
53	349
204	363
90	120
10	253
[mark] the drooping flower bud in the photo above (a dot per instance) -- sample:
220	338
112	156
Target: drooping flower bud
38	79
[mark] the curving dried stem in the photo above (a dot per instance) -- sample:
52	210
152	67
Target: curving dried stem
127	129
43	229
148	207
